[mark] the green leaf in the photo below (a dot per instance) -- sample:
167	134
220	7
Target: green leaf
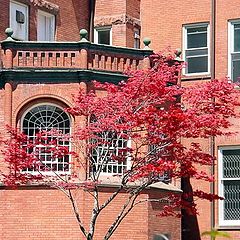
215	233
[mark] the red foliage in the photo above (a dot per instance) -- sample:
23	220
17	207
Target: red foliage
146	111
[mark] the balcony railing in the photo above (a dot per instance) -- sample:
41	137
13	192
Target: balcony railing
73	55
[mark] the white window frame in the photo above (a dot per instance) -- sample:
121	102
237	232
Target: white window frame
27	19
184	41
48	173
127	165
231	45
52	17
222	222
136	36
99	29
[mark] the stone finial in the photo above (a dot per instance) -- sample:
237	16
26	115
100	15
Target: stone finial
178	53
9	33
83	35
146	42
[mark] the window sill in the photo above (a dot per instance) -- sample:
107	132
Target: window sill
231	228
196	77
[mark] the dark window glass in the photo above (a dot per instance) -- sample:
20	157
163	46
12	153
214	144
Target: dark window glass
231	200
197	64
236	70
197	40
231	163
237	38
197	37
104	37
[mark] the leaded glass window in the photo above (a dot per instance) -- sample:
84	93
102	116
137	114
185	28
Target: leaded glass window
230	186
45	118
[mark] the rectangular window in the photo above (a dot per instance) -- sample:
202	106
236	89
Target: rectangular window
196	48
234	51
19	20
46	26
154	153
136	38
229	186
103	35
110	154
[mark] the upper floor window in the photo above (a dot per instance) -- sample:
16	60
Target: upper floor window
234	50
19	20
196	48
46	26
136	38
47	117
229	186
103	35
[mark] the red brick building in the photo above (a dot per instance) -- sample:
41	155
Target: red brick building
208	33
40	73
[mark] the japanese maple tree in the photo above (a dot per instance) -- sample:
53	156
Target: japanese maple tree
133	131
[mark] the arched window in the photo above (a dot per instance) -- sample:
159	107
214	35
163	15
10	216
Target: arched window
47	117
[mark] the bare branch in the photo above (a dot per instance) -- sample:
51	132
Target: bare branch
76	212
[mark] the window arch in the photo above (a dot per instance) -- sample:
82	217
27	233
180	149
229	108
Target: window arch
47	117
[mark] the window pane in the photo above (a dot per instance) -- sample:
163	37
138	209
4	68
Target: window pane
197	29
236	70
19	25
231	201
236	38
197	37
46	28
231	163
104	155
197	64
104	37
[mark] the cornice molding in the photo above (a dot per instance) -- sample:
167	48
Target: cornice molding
115	20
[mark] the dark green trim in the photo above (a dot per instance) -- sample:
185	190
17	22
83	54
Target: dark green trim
50	46
58	76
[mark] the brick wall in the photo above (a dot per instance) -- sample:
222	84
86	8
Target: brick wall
162	21
122	15
71	17
169	226
46	214
4	23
